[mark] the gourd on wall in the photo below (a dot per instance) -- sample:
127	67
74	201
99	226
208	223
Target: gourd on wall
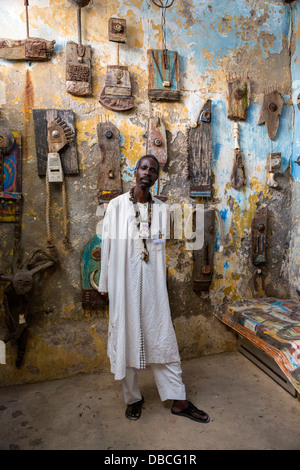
216	41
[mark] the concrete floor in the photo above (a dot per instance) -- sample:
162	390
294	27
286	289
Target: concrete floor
248	410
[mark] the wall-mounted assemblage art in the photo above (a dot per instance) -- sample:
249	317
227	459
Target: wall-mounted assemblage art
238	100
78	60
163	66
11	180
30	49
270	111
56	156
200	153
109	173
116	93
259	236
17	295
157	146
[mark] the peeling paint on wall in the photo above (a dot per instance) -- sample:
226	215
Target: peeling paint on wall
215	39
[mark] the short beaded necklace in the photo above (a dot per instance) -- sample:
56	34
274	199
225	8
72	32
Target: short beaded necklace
145	252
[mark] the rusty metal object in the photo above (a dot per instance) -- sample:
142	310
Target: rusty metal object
109	175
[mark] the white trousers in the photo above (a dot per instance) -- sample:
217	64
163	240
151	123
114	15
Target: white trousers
168	379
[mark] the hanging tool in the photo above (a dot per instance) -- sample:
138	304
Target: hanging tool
78	60
29	49
116	93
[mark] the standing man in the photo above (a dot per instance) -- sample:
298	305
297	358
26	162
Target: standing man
133	273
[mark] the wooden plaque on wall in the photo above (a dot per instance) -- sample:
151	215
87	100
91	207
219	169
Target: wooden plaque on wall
163	75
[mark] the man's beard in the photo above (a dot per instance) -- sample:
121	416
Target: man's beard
144	185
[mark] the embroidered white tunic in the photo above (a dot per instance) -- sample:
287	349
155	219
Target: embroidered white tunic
138	296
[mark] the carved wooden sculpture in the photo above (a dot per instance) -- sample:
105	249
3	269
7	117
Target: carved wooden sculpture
18	294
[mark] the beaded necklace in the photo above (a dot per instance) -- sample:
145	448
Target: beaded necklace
145	251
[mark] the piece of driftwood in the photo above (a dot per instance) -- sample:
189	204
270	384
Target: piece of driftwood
203	258
68	155
78	69
270	111
157	140
238	99
18	294
259	234
33	49
200	153
163	75
109	175
90	272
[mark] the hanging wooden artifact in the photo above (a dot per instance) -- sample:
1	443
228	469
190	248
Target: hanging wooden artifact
116	93
58	135
157	146
270	111
30	49
90	273
163	75
10	175
237	179
163	65
109	174
238	99
68	154
18	294
78	62
259	234
200	154
273	166
157	140
203	258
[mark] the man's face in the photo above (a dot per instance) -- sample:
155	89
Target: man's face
146	174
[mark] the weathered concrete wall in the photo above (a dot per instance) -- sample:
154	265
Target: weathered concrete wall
214	39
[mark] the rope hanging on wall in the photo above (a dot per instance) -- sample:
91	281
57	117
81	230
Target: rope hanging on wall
163	5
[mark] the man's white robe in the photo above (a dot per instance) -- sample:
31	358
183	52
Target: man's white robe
137	290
